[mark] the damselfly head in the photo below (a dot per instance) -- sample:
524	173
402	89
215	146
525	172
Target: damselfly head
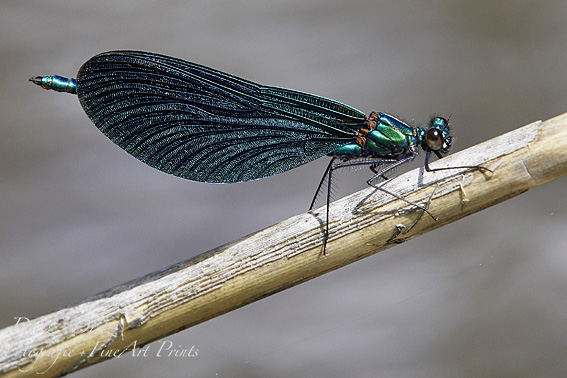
437	137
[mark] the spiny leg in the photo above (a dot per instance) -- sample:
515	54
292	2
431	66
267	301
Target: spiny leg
391	164
321	183
326	234
380	174
429	169
373	163
374	168
402	230
326	175
329	174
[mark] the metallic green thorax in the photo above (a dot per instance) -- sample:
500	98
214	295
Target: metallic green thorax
385	136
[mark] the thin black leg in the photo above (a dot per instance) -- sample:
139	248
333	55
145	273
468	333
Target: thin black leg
381	174
321	183
428	169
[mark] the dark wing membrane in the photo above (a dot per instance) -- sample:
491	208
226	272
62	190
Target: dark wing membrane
205	125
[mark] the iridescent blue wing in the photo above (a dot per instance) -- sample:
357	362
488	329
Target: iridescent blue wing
205	125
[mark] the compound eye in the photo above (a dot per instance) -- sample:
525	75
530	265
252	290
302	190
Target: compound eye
434	139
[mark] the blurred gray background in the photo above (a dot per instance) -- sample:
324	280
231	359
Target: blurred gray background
482	297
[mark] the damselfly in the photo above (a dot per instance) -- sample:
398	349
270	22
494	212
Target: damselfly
205	125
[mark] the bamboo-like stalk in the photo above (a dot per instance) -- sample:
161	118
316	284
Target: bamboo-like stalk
286	254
